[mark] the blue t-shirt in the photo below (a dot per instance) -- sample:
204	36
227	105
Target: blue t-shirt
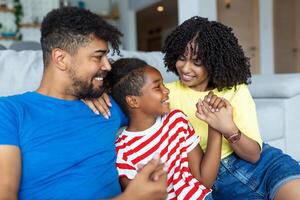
67	151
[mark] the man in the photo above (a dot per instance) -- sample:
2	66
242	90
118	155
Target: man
51	145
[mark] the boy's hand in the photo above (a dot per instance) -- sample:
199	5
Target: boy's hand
215	103
100	105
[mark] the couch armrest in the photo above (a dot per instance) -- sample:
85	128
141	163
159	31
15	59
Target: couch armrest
275	85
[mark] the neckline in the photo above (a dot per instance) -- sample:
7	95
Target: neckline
152	129
53	99
192	90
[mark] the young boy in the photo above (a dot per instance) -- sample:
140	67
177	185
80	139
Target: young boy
154	129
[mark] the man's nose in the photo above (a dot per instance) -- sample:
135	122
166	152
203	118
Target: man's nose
105	64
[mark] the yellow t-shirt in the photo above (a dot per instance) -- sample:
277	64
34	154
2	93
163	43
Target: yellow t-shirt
244	111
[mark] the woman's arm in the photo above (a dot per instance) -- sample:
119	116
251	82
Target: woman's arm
245	147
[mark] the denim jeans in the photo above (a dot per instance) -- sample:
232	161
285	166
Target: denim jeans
239	179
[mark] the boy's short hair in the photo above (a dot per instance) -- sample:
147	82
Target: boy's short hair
126	78
69	28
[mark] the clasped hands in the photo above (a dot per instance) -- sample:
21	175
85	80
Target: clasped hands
217	113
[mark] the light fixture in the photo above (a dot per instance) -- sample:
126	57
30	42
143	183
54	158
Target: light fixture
160	8
227	3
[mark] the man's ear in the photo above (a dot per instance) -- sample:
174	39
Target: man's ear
132	101
59	57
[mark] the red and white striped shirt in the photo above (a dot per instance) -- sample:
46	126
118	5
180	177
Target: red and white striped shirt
172	137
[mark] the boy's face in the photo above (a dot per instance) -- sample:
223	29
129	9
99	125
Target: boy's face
155	96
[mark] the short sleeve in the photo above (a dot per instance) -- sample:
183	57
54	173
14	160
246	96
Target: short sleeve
192	140
8	124
244	113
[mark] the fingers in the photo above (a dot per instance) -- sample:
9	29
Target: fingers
211	99
151	166
91	105
201	116
106	99
198	106
215	102
161	188
140	167
218	103
142	187
159	171
202	110
208	97
102	106
205	107
227	104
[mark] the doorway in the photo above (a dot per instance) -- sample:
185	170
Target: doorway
154	23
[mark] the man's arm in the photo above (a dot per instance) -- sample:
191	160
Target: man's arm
10	171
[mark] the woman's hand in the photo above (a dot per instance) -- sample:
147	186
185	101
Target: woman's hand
214	102
221	119
100	105
217	113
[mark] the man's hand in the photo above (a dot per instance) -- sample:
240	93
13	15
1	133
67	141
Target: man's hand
144	187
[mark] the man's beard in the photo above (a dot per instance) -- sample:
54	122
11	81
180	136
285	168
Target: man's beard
84	89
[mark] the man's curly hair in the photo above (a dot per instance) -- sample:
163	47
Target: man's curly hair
69	28
216	47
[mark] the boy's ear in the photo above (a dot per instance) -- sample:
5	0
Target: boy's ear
132	101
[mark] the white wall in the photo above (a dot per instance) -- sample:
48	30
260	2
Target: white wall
266	36
127	25
101	7
33	11
140	4
190	8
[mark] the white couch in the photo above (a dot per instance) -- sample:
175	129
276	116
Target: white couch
276	96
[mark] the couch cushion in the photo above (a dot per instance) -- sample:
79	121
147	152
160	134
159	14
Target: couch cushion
20	71
275	85
271	120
